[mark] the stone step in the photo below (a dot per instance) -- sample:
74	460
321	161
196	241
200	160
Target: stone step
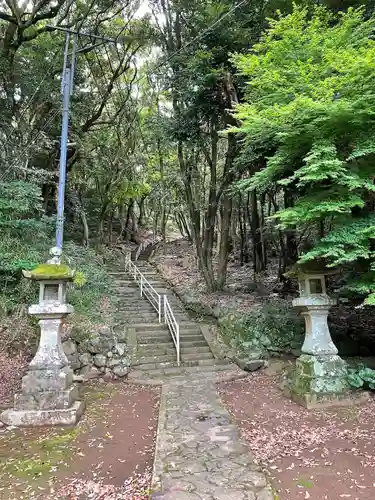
197	356
140	308
133	301
159	349
147	351
185	326
193	343
151	316
153	283
171	369
146	360
151	327
162	335
184	334
168	339
137	306
161	288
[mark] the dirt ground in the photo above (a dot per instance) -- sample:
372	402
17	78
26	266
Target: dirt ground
108	456
317	455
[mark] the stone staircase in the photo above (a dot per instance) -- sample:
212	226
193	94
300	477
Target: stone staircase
152	349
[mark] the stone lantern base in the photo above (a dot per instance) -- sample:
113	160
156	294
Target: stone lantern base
320	381
47	397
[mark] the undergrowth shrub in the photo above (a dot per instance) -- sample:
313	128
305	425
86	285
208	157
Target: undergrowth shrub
25	233
271	328
94	280
362	377
26	237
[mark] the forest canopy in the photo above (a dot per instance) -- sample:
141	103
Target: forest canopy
246	127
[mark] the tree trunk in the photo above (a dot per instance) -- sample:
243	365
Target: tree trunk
290	235
85	240
253	217
261	230
226	214
128	231
141	205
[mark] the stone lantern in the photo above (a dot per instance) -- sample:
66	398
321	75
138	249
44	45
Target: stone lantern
48	395
319	378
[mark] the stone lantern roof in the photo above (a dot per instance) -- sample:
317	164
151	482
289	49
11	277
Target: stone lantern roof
317	267
53	272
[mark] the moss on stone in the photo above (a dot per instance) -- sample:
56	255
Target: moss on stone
314	375
50	272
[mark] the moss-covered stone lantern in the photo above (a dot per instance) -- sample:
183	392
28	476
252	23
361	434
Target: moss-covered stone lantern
48	395
319	378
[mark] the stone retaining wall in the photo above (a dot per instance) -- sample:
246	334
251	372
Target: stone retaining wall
105	355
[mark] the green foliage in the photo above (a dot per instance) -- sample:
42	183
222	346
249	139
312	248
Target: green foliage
24	232
93	280
309	112
362	377
272	327
26	239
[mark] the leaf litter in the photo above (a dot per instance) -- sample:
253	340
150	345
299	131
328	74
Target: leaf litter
108	456
316	454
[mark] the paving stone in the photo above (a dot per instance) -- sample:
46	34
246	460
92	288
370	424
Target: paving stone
199	450
199	454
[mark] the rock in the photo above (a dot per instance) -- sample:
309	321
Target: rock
74	361
296	352
121	335
108	375
93	373
217	312
120	349
250	365
103	369
100	360
113	362
85	370
105	331
78	378
101	343
94	345
277	367
109	354
120	370
69	347
85	359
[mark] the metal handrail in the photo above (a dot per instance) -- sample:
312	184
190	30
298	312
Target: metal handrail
155	299
173	326
147	290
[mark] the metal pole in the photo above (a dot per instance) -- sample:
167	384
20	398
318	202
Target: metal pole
66	89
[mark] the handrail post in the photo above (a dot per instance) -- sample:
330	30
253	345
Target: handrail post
178	343
159	306
141	285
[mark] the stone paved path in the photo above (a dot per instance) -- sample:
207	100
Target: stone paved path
199	452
